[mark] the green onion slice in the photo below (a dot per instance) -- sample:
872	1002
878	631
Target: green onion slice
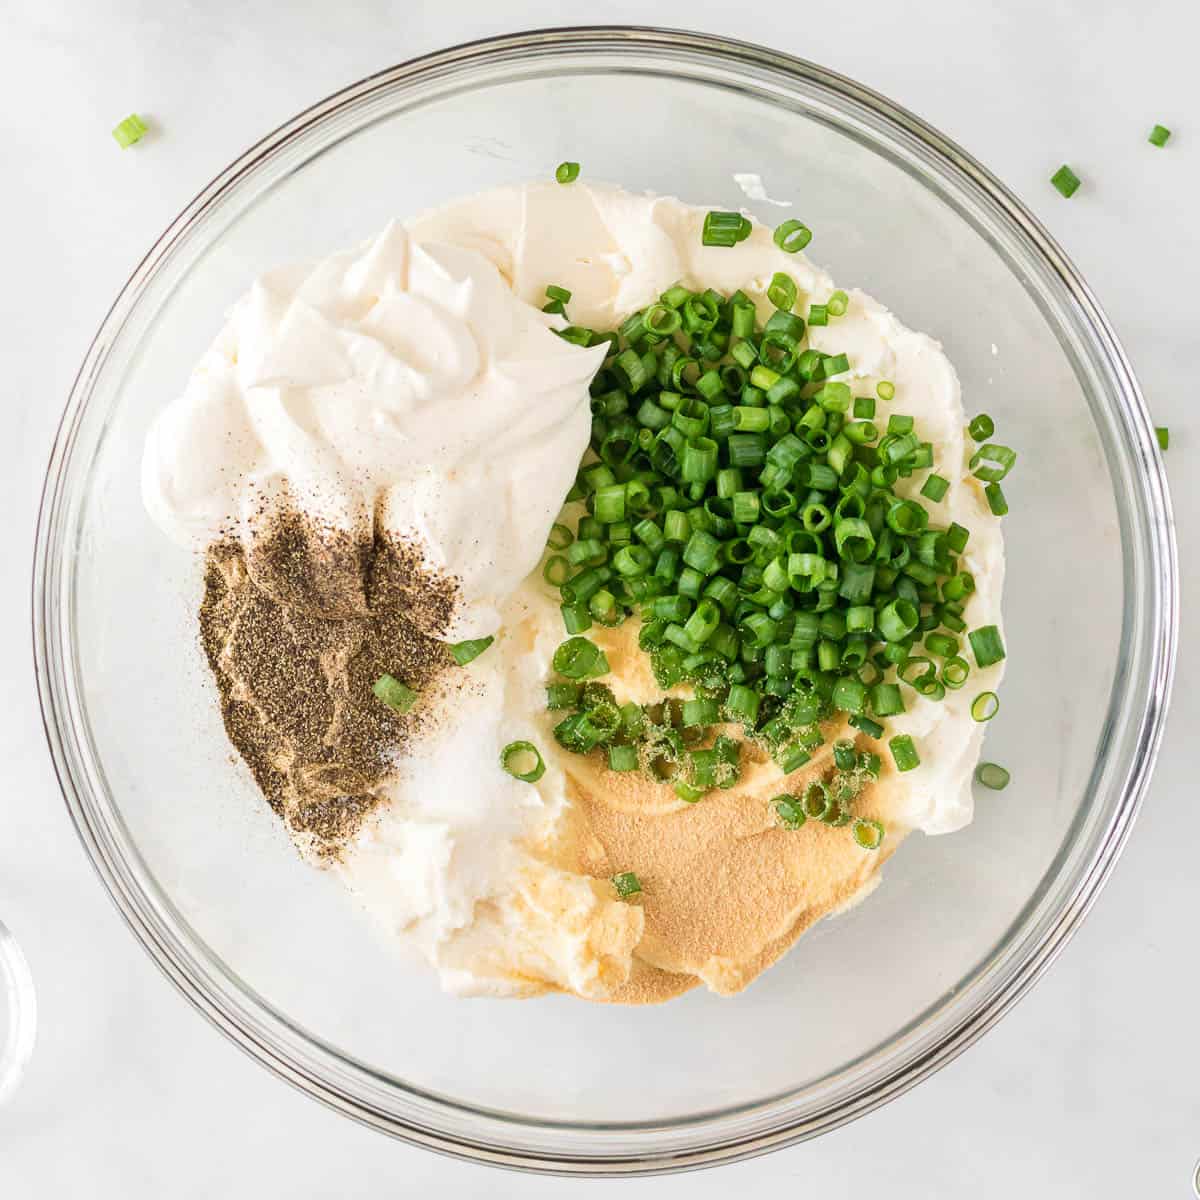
789	810
468	651
394	694
627	884
792	236
566	172
868	834
523	761
993	776
130	131
985	706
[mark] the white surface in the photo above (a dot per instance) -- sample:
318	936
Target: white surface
1087	1088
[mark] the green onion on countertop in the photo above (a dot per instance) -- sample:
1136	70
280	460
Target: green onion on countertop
1066	181
566	172
130	131
1159	136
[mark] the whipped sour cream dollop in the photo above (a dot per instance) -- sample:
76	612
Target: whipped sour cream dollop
400	386
415	383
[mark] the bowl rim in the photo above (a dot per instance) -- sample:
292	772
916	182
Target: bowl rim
161	942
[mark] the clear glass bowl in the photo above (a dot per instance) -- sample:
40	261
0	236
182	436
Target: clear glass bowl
869	1002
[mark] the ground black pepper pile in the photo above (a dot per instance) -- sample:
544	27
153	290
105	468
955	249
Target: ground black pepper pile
296	632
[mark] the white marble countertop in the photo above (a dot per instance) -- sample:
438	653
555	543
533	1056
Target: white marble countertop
1087	1088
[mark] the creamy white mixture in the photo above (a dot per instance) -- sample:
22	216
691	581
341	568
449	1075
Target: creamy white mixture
416	377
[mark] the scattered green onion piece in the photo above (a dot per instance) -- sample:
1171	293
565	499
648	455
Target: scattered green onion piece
394	694
885	389
1164	436
556	570
577	658
986	645
996	499
991	462
130	131
904	753
560	537
981	427
722	229
837	304
517	754
868	834
566	172
985	706
623	758
627	884
935	488
468	651
1066	181
781	291
1159	136
866	725
792	236
789	810
993	776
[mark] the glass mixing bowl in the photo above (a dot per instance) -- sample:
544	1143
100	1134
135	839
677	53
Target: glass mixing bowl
869	1002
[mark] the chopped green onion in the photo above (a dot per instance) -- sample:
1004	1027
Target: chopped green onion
935	488
627	885
523	761
790	811
993	776
556	570
623	758
816	803
562	695
986	645
723	229
1065	180
468	651
996	499
981	427
782	291
904	753
566	172
885	389
1164	436
130	131
792	236
868	834
577	658
1159	135
560	537
869	727
837	304
394	694
992	463
985	706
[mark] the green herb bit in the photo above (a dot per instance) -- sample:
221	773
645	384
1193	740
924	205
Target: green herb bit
1066	181
627	884
566	172
394	694
789	810
993	776
1163	433
523	761
468	651
724	229
1159	136
792	236
904	753
130	131
868	834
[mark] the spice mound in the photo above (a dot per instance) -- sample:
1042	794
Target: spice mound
295	682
